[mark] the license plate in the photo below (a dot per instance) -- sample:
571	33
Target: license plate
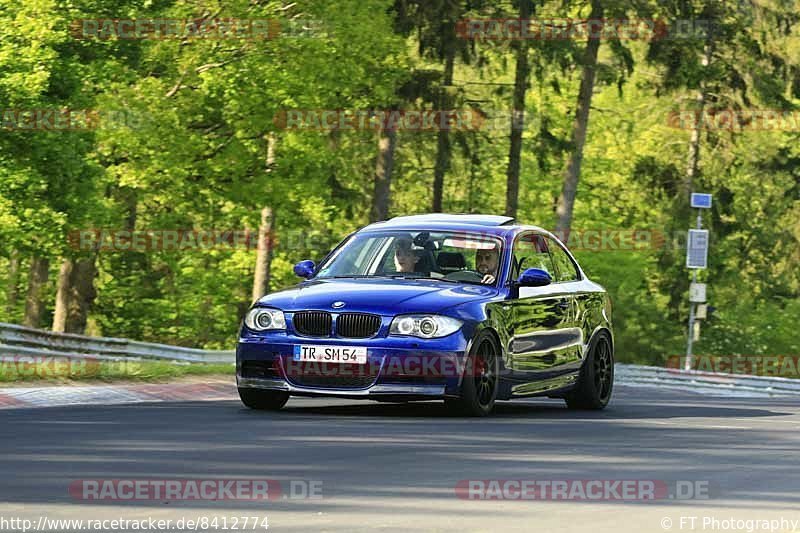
330	354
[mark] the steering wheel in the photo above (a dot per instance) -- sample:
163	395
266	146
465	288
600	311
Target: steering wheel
465	275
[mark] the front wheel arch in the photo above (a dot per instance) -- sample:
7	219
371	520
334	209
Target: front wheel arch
480	377
493	332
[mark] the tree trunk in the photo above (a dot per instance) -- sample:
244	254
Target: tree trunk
269	161
383	174
694	146
75	295
263	254
566	202
12	290
261	277
63	295
693	165
82	294
37	283
443	149
521	76
130	199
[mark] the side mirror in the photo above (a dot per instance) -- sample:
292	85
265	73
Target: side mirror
304	269
534	277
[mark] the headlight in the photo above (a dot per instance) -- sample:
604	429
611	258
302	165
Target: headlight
425	326
262	319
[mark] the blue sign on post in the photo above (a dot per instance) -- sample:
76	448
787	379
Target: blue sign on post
701	201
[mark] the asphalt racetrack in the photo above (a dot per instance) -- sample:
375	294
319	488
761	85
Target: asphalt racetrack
731	463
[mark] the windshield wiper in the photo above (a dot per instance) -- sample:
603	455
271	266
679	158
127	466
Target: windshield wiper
409	276
354	276
426	278
481	284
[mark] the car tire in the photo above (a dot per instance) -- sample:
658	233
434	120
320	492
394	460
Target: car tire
480	380
263	400
596	380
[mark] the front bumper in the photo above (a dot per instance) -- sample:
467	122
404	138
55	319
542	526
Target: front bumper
399	367
378	391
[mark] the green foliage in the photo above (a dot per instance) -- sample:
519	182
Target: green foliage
191	154
67	371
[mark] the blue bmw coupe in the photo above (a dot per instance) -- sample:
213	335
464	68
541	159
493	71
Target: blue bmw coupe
469	309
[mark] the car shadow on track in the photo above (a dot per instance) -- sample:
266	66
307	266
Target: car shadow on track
619	409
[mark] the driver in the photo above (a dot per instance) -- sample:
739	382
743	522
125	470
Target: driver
486	263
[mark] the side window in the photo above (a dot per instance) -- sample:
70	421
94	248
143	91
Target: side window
530	251
565	268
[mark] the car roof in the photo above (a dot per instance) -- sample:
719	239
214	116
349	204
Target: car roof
472	219
493	224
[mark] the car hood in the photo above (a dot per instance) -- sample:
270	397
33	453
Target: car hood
381	296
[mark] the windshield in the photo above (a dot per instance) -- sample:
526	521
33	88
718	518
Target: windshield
448	256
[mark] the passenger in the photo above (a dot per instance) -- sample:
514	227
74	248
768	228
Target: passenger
405	260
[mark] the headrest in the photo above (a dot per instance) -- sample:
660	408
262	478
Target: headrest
451	260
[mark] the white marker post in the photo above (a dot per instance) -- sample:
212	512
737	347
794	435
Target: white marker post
696	259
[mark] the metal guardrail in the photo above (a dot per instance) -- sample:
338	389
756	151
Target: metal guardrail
706	382
24	341
18	340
